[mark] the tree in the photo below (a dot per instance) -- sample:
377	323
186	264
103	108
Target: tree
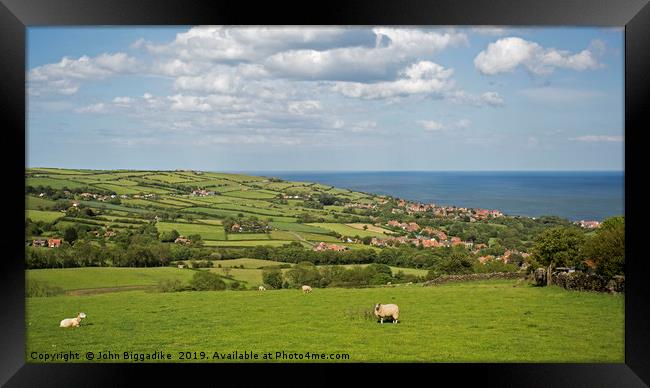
70	234
559	246
207	281
607	247
170	236
272	277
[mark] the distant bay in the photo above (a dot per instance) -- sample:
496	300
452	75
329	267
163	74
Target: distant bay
575	195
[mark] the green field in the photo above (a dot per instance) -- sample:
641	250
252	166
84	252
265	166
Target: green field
55	183
246	243
207	232
46	216
257	194
247	236
348	230
95	277
496	321
34	203
247	263
295	227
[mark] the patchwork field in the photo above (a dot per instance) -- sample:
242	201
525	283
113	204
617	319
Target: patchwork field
47	216
496	321
207	232
106	277
349	231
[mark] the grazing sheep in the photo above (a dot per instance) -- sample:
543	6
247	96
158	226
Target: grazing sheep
306	289
389	283
72	322
261	288
386	310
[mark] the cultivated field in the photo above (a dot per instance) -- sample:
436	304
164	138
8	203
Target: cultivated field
496	321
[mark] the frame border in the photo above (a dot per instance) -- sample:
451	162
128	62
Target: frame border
634	15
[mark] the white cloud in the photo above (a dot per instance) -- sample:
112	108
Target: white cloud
487	98
123	101
431	125
218	43
94	108
306	107
435	126
423	77
506	54
344	63
598	138
176	67
189	103
364	126
64	77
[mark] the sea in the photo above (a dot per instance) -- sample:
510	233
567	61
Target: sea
574	195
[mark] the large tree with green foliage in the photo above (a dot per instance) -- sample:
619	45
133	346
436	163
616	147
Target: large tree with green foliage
272	277
559	246
607	247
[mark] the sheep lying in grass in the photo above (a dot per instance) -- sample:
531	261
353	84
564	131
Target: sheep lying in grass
306	289
261	288
72	322
386	310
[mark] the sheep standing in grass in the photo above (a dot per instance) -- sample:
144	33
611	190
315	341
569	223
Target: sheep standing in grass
306	289
261	288
386	310
72	322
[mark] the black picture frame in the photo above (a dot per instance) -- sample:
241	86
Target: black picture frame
16	15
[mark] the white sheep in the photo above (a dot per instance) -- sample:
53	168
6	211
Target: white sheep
72	322
306	289
386	310
261	288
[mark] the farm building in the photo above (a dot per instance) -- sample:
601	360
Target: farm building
54	242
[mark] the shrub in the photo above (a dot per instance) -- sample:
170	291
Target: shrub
272	277
170	285
206	281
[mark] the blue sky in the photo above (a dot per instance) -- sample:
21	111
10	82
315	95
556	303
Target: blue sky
325	98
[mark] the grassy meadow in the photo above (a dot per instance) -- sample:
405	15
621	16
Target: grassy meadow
492	321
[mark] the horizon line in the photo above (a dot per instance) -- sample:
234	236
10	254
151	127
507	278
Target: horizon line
327	170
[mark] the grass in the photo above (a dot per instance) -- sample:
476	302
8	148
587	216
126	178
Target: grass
40	215
96	277
371	228
110	206
36	203
296	227
394	270
248	243
207	232
347	230
253	194
55	183
247	236
247	263
497	321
